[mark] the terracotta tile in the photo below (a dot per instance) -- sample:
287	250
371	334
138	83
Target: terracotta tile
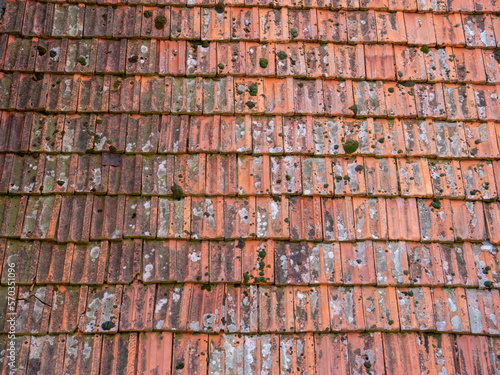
478	30
415	309
483	308
331	353
450	310
33	310
349	176
13	210
420	28
201	58
76	359
308	95
473	354
303	24
156	94
379	61
206	217
78	135
258	261
470	66
174	218
263	359
37	18
155	22
403	349
479	180
35	93
358	263
329	135
226	353
154	353
450	140
172	57
311	308
338	97
401	216
81	56
370	218
487	101
119	353
77	210
390	27
432	349
21	344
12	21
186	23
468	220
244	23
127	21
446	178
8	161
380	308
215	25
293	264
107	218
272	218
332	26
260	59
189	261
41	217
492	213
205	312
91	175
190	170
103	308
98	21
276	309
68	20
239	217
59	173
55	263
346	309
286	175
140	217
20	54
225	262
496	170
171	312
392	263
449	29
400	100
425	263
430	101
8	87
491	66
249	96
414	177
187	95
124	261
15	130
317	60
278	99
46	354
440	65
369	98
380	174
253	175
190	352
291	60
435	220
89	263
173	134
218	96
124	96
94	94
267	135
273	24
361	26
27	175
241	309
68	304
221	175
231	58
317	176
350	61
460	5
458	264
486	263
410	63
460	102
297	354
308	209
136	312
365	352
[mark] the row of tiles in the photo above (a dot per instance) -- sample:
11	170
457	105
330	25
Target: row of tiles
101	134
381	263
251	23
245	175
228	95
167	353
312	60
249	309
79	218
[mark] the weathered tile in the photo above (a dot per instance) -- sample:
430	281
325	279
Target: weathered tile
172	57
155	22
380	174
239	217
157	174
242	308
207	217
174	218
55	263
260	58
381	308
68	304
41	217
317	176
460	102
478	30
201	58
291	60
332	26
370	218
446	178
33	310
15	130
46	354
34	92
20	54
403	349
276	309
185	23
124	261
98	21
420	28
331	353
361	26
225	262
481	139
346	309
258	261
81	56
111	56
414	177
273	24
136	311
12	215
392	263
107	218
172	306
12	19
103	308
140	217
253	175
226	354
483	309
369	98
419	137
272	218
349	176
267	135
204	134
124	96
173	134
338	219
416	309
390	27
473	354
305	219
277	92
154	352
458	264
478	179
470	66
156	95
379	61
190	352
435	220
26	175
297	354
127	21
468	220
119	354
358	263
156	260
68	20
286	176
206	310
365	352
451	310
450	140
89	263
187	95
486	101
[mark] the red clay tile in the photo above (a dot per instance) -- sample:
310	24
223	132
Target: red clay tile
207	217
468	220
272	218
361	26
253	175
435	220
458	264
174	218
173	316
226	353
481	139
41	217
12	19
231	58
201	59
136	311
81	56
416	309
189	261
83	354
311	308
380	308
478	179
186	23
245	23
317	176
308	95
451	310
420	28
98	21
403	357
346	309
487	101
55	263
38	19
124	261
205	312
94	94
140	217
15	130
305	219
27	175
365	353
303	24
410	63
440	65
491	66
400	100
249	96
432	349
350	61
332	26
273	24
483	309
267	135
430	101
292	263
107	218
218	96
258	261
46	354
369	98
286	175
460	102
317	60
187	95
190	170
221	175
379	176
291	60
36	94
402	216
486	262
89	263
103	308
190	352
154	352
338	97
370	218
414	177
425	263
119	353
124	96
449	29
264	351
390	27
260	59
127	21
68	20
239	217
379	61
473	354
392	263
20	54
297	354
215	25
492	213
225	262
172	57
150	27
331	353
33	309
241	306
13	210
77	211
8	87
349	176
68	304
279	101
156	94
450	140
358	263
276	309
469	63
59	173
478	30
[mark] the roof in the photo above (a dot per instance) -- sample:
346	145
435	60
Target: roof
293	186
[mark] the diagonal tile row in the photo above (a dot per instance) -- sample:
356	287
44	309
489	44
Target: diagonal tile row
83	217
228	95
312	60
251	309
33	132
231	175
381	263
259	24
167	353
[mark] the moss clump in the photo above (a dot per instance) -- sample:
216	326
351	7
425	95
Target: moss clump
108	325
351	146
424	49
391	90
41	50
160	21
250	104
252	89
263	63
281	55
53	54
81	60
219	7
436	204
221	66
148	14
177	192
488	284
354	109
294	33
179	366
496	55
